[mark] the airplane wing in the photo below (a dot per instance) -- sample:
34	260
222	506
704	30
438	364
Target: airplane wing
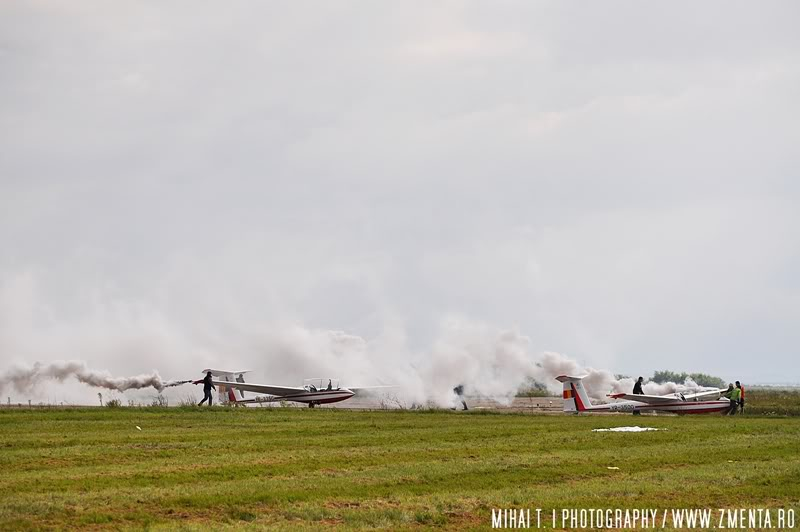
268	389
649	399
715	393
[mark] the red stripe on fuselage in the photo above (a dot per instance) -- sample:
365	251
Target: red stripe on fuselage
688	403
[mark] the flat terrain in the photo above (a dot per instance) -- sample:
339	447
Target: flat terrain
309	469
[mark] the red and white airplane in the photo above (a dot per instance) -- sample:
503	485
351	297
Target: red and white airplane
576	400
231	387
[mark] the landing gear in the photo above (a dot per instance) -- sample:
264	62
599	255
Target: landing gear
310	405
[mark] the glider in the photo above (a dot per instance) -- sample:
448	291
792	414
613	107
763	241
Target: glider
232	387
576	400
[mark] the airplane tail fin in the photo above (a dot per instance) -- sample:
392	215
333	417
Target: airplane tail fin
575	397
228	394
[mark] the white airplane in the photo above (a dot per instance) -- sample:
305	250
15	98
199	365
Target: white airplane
231	387
576	400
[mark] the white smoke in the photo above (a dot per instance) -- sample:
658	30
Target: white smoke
25	379
127	338
600	382
487	361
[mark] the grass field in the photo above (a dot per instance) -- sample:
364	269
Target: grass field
773	401
310	469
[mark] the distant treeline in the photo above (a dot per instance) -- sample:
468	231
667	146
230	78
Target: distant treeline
700	378
533	388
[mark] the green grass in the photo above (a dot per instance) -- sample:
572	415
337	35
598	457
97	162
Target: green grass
300	468
772	401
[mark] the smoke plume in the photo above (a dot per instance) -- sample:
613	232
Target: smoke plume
485	360
26	379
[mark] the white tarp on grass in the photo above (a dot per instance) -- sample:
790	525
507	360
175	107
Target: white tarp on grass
626	429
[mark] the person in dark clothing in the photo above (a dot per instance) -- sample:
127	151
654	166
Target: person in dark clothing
459	391
741	397
207	387
637	390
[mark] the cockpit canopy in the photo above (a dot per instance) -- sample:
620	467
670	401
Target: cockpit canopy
319	384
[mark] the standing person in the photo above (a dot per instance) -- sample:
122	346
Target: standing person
734	397
637	390
741	397
207	387
727	394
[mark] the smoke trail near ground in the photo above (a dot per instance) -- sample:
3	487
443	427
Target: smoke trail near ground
24	379
487	361
129	337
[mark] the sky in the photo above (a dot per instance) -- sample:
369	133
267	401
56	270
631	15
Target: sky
354	187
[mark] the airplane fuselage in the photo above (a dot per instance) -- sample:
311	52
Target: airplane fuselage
320	397
677	407
311	398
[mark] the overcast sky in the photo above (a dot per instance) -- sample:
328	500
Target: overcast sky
617	181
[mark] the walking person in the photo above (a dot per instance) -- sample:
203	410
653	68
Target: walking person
207	387
459	391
